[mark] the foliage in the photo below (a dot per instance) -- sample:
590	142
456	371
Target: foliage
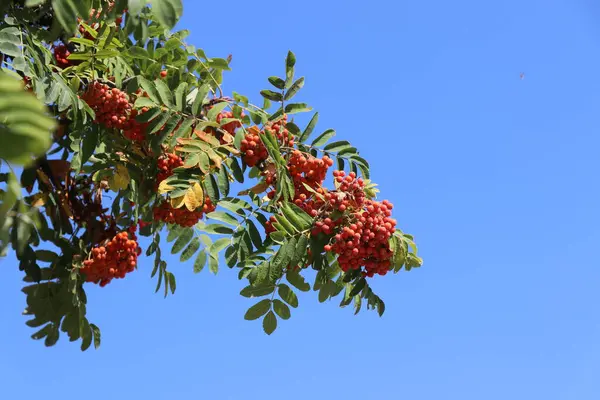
99	97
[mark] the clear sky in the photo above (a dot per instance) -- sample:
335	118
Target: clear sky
497	178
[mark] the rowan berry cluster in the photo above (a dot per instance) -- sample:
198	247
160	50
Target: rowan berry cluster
229	127
182	216
134	130
113	260
365	242
305	170
111	106
166	164
61	55
253	148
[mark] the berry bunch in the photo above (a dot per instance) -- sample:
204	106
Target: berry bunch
253	148
182	216
365	241
229	127
111	106
113	260
61	55
350	191
166	164
134	130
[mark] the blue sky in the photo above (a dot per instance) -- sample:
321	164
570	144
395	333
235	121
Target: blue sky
497	178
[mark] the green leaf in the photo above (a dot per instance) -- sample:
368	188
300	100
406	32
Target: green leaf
223	182
297	216
281	309
358	287
172	283
180	94
199	99
24	123
270	323
277	82
257	291
166	96
182	240
97	337
296	86
150	89
258	310
167	12
297	280
174	233
223	217
288	295
380	307
290	62
190	250
254	234
323	138
310	128
219	245
334	147
138	52
200	262
218	229
236	170
211	188
294	108
213	264
271	95
216	110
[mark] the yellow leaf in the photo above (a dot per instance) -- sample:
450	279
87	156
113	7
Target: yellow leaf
39	200
120	179
215	158
164	187
194	197
257	189
197	188
178	202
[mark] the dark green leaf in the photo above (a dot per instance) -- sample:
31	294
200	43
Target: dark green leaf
337	146
297	281
254	234
172	283
257	291
323	138
212	189
200	262
277	82
294	108
182	240
167	12
290	62
213	264
288	295
236	170
358	287
281	309
199	99
223	217
190	250
271	95
309	129
97	337
296	86
166	96
270	323
258	310
223	182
